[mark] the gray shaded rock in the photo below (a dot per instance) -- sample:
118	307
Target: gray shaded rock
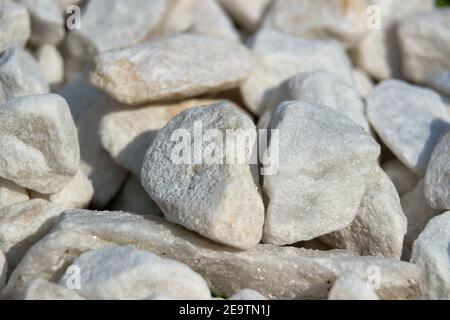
51	63
3	270
247	294
214	196
293	273
350	286
172	68
279	57
425	45
10	193
379	225
437	178
247	14
116	272
409	119
14	25
403	178
44	290
431	252
38	143
20	75
440	82
324	159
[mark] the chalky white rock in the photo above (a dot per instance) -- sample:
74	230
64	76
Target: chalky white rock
247	294
14	25
51	63
41	289
10	193
350	286
403	178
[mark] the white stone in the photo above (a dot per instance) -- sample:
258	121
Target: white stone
437	178
215	198
40	289
38	143
345	21
409	120
324	159
47	23
363	83
279	57
403	178
425	45
379	225
247	294
181	66
378	53
14	25
117	272
3	270
247	14
51	63
77	194
10	193
300	273
431	252
350	286
22	224
20	75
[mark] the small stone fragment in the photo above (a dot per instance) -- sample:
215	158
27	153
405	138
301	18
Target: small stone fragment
379	225
431	253
51	63
22	224
38	143
247	14
437	178
409	119
279	57
247	294
350	286
324	159
425	45
14	25
403	178
41	289
10	193
124	273
172	68
214	195
20	75
363	84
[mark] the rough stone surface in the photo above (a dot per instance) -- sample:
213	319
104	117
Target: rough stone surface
38	143
379	226
363	83
431	252
22	224
51	63
47	23
437	178
14	25
77	194
350	286
218	200
425	45
44	290
118	272
403	178
409	119
293	273
3	269
342	20
172	68
20	75
10	193
247	14
247	294
324	159
279	57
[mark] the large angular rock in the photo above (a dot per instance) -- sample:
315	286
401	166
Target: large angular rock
247	14
379	225
214	194
431	252
22	224
20	75
320	87
127	132
342	20
378	53
14	25
51	63
181	66
403	178
350	286
117	272
44	290
293	273
10	193
409	119
324	159
437	178
47	23
425	45
279	57
38	143
3	270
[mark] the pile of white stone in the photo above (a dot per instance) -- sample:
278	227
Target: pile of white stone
357	92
